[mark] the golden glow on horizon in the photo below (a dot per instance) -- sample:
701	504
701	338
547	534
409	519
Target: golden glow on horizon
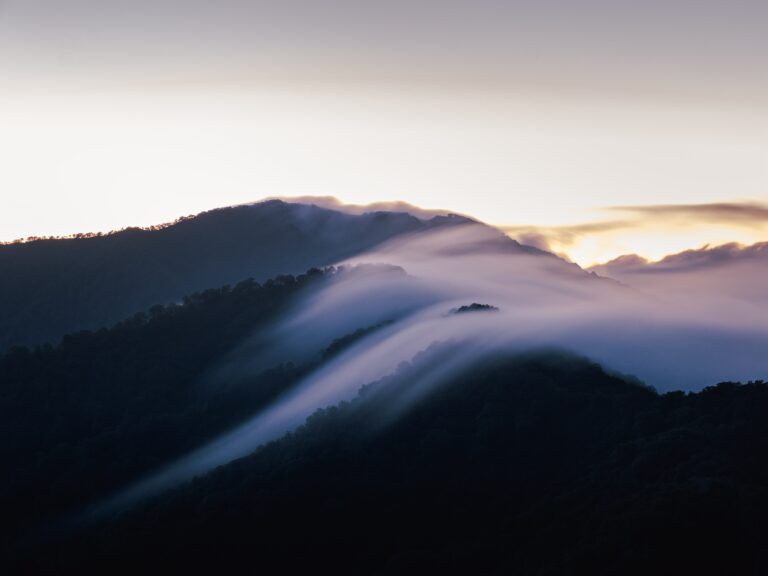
652	243
97	161
521	114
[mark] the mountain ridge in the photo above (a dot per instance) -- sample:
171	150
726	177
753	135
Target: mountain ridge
50	287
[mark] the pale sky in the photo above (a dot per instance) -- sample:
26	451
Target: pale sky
530	115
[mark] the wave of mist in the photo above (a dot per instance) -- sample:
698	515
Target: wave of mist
542	301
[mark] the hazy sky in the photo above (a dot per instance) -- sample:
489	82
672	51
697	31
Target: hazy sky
532	115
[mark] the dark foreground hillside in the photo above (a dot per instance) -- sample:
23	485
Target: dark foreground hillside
535	464
79	420
52	287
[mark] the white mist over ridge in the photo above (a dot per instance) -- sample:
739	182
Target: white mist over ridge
727	277
333	203
543	302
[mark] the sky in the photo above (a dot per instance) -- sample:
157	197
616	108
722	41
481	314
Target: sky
594	128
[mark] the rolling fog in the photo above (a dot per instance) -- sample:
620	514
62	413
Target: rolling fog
410	286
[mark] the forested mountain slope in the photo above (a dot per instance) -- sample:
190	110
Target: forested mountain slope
100	409
539	463
54	286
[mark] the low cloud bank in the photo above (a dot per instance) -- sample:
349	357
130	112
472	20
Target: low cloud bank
413	283
718	282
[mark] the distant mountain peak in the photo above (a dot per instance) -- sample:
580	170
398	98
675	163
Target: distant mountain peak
697	258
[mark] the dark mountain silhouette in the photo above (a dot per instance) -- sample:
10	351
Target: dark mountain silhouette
51	287
102	408
470	457
534	463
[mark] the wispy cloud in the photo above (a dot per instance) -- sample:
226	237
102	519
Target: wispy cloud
678	338
650	224
733	213
545	237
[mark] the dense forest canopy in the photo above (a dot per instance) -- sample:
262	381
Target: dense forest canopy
103	407
538	463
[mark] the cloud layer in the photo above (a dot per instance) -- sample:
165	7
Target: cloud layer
665	337
732	213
